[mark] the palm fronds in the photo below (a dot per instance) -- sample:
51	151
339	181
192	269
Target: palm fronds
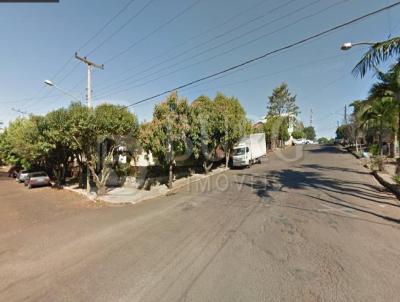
378	53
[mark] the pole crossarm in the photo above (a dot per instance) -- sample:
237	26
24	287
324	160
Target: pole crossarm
90	63
90	66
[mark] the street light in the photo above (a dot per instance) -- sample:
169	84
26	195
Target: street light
349	45
51	84
48	82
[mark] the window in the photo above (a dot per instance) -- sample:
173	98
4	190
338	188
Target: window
239	151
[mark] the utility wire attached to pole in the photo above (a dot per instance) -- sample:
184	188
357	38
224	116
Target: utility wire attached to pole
90	66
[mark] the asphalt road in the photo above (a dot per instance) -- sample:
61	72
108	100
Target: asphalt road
305	225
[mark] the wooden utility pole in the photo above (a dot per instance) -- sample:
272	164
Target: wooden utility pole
90	66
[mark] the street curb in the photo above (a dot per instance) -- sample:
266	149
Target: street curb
205	176
352	153
91	197
166	193
395	188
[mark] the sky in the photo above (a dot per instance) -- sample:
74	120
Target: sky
155	45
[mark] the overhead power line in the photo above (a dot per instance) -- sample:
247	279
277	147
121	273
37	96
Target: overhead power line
265	75
71	58
244	44
120	28
123	9
94	36
201	44
267	54
117	31
158	28
164	52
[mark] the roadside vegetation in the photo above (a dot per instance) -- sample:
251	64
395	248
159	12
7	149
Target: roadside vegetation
85	145
374	126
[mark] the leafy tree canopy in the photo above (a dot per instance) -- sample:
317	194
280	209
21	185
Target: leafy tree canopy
309	133
282	102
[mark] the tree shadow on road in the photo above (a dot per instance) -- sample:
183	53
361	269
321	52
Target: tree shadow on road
339	191
330	168
327	149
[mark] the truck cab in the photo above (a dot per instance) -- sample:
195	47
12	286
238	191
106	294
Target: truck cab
241	156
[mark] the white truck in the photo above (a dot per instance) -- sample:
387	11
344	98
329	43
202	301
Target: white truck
249	150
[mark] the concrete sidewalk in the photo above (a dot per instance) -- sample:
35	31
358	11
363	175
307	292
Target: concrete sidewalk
133	195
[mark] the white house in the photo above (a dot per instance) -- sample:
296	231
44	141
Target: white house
292	120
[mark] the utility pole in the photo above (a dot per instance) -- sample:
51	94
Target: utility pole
345	114
90	66
311	118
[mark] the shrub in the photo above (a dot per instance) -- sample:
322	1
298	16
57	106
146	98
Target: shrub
377	163
373	149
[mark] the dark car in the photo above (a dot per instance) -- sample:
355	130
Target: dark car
37	179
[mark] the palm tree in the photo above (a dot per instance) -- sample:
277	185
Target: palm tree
388	84
378	53
378	112
358	107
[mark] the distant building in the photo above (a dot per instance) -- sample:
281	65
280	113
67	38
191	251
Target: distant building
292	121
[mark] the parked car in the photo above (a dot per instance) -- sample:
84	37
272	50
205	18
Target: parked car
22	176
37	179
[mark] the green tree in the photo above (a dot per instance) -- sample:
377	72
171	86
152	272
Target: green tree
276	130
298	134
379	113
203	120
282	102
342	132
108	126
22	143
323	141
356	121
309	133
56	133
378	53
83	135
166	136
232	123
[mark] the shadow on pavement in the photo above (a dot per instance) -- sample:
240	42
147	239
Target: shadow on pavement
337	190
326	149
338	215
330	168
